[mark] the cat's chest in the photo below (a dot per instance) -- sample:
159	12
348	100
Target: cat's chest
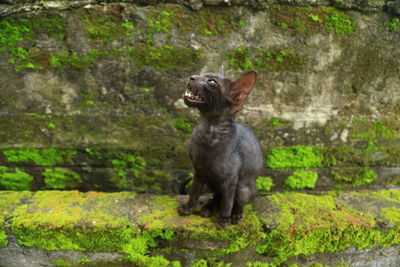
209	150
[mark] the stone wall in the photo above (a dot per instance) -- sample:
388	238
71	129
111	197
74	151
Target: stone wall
90	92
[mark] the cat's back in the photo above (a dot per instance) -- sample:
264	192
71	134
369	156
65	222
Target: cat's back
249	147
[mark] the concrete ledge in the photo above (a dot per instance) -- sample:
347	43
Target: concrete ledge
58	228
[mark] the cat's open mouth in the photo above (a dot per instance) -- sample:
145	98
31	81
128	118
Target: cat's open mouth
193	98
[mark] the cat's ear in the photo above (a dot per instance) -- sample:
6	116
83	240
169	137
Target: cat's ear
242	87
221	70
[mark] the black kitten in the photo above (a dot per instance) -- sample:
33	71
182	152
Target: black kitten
225	155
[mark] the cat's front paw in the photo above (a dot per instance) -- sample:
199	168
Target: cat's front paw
205	212
184	210
224	221
237	218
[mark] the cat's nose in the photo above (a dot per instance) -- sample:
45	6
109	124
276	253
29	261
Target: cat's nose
195	77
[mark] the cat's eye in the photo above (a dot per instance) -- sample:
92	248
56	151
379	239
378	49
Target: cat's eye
212	81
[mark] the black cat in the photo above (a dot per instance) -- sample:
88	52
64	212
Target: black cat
225	155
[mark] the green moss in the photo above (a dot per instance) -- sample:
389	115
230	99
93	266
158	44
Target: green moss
264	184
3	235
276	122
294	157
394	25
160	20
156	226
361	152
42	157
373	132
245	58
353	176
15	180
164	58
61	178
337	21
69	220
70	59
153	180
210	262
16	32
127	164
395	181
131	171
237	237
183	125
301	179
310	224
310	20
104	27
260	264
138	250
165	220
384	195
392	215
63	263
8	200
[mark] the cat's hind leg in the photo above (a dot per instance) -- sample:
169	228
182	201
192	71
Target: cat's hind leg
211	206
243	195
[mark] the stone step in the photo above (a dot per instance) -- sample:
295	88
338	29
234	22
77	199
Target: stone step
51	228
117	169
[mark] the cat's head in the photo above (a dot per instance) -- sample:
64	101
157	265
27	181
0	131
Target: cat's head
214	93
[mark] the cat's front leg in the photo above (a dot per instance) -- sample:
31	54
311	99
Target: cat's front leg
228	196
197	188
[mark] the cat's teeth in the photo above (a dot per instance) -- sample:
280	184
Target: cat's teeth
193	97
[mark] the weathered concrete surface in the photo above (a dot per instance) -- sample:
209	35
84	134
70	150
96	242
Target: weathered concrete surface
58	227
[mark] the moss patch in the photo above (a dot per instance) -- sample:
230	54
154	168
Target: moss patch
164	218
42	157
8	200
105	26
17	32
61	178
69	220
310	224
353	176
164	58
15	180
208	21
71	59
310	20
294	157
373	133
144	227
394	25
264	184
301	179
245	58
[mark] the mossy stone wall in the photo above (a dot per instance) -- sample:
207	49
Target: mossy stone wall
90	96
